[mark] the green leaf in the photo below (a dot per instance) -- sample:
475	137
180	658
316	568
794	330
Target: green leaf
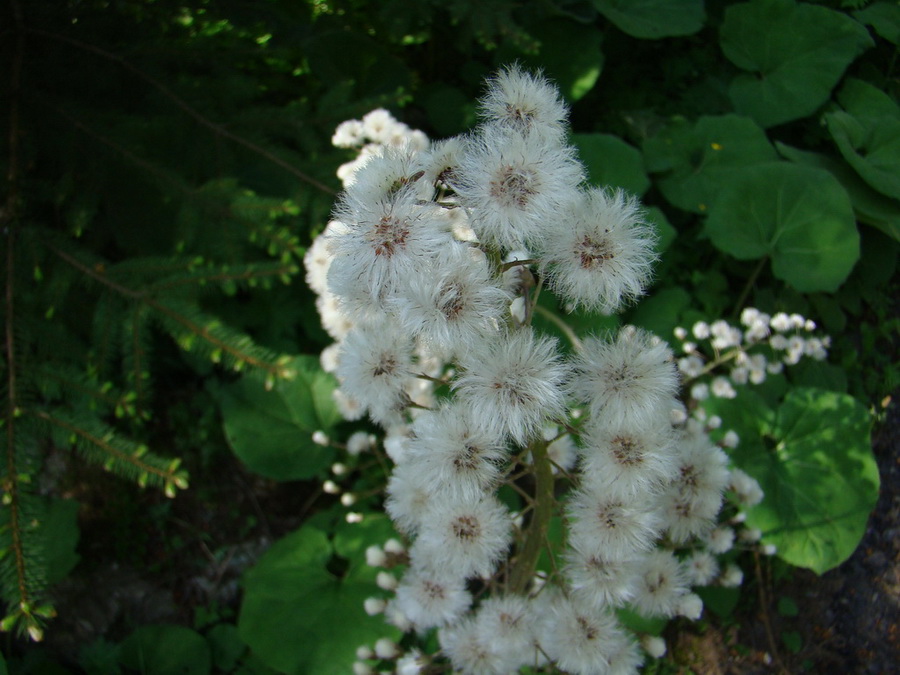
719	599
300	618
611	161
164	649
582	323
871	207
787	607
665	233
697	158
226	646
271	431
820	479
867	132
796	53
654	19
798	216
884	17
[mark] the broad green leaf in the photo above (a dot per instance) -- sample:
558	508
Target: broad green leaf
271	431
653	19
867	132
798	216
719	599
164	649
665	233
696	159
299	617
796	54
871	207
611	161
884	17
819	476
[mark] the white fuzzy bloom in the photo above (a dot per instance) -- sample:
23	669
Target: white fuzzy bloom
619	527
375	366
454	303
700	330
620	459
464	539
580	639
429	600
513	384
349	134
747	489
724	335
700	391
378	125
509	624
451	456
690	606
360	442
473	652
781	322
691	366
523	102
629	381
598	581
660	584
731	439
654	645
385	648
721	388
701	567
600	253
720	540
513	185
732	577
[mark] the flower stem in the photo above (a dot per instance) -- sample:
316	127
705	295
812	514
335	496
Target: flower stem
526	562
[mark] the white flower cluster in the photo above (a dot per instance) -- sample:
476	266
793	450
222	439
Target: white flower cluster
764	346
428	278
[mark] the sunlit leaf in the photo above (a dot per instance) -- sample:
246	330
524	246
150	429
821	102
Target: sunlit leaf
798	216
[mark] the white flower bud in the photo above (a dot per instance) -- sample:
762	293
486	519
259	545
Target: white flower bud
387	581
375	557
385	648
374	606
654	645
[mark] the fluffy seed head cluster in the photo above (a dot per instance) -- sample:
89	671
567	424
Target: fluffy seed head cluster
435	344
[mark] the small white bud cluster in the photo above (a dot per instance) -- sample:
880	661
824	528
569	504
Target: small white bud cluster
428	279
763	347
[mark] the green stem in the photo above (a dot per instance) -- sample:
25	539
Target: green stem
526	562
562	325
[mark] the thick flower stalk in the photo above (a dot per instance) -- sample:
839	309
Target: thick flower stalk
427	279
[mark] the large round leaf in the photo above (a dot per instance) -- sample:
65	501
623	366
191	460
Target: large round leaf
653	19
611	161
867	132
871	207
271	430
298	616
696	158
799	216
795	52
813	459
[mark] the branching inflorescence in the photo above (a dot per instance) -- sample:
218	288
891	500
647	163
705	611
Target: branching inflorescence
428	279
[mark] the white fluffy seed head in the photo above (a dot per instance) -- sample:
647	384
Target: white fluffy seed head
600	254
512	385
523	102
630	380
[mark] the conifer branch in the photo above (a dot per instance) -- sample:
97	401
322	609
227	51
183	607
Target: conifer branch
9	223
192	112
134	461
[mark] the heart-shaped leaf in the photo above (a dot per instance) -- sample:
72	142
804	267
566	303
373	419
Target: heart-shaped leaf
271	430
796	53
813	459
611	161
696	158
299	616
798	216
